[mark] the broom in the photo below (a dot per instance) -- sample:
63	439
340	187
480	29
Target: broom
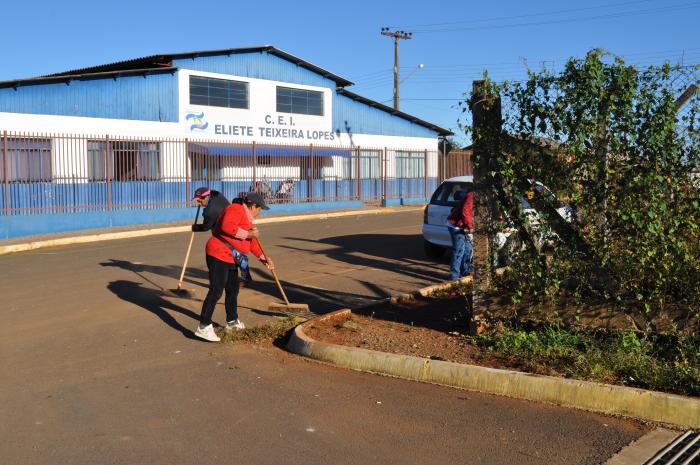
179	291
286	306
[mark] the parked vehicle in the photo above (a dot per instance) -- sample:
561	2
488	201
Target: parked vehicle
436	237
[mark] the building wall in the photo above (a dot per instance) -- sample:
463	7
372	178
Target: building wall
397	158
260	121
353	117
259	65
153	97
165	98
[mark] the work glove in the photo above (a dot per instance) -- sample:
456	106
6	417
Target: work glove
198	228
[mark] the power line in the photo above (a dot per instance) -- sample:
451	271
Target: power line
452	73
531	15
680	7
646	56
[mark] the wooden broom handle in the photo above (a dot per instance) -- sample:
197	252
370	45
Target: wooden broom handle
277	280
187	259
189	249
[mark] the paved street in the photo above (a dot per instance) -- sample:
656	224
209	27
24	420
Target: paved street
99	367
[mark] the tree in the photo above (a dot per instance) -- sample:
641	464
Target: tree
606	137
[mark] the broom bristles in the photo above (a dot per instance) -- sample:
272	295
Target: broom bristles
292	307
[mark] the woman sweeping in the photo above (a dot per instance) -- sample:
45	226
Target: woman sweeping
227	250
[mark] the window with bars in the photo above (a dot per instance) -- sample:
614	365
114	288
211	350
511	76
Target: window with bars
206	168
410	165
97	160
27	160
300	101
369	162
218	92
128	160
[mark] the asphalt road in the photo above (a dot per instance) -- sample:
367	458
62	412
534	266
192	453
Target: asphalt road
99	368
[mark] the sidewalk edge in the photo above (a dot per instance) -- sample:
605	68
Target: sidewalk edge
27	246
617	400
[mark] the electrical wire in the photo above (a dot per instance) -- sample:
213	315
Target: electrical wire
681	7
530	15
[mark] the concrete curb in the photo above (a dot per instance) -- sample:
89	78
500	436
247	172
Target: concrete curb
23	247
617	400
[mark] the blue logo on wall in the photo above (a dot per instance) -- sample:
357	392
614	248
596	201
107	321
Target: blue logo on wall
197	120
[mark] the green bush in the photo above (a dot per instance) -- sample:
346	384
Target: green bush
608	139
670	364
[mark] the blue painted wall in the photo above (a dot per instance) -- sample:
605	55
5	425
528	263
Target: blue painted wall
153	97
259	65
353	117
20	226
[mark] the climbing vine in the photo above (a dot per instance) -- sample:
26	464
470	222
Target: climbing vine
610	142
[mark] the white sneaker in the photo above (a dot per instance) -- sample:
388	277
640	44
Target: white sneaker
207	333
235	324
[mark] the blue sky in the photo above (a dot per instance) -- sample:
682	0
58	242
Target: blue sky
454	40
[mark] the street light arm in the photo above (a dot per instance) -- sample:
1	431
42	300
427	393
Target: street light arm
418	68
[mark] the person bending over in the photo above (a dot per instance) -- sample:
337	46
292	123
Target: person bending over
234	234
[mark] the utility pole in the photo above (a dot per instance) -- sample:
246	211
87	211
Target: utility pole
396	35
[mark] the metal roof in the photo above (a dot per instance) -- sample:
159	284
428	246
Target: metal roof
165	61
381	106
78	76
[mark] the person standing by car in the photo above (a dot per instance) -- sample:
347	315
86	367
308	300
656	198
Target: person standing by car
461	224
234	235
214	204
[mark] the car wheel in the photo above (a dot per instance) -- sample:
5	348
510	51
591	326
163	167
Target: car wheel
432	250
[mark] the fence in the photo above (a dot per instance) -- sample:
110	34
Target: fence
55	173
455	163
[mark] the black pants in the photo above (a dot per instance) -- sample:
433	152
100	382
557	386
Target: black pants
222	277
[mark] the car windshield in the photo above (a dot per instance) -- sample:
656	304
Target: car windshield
445	193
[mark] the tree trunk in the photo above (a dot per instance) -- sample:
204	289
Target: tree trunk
486	112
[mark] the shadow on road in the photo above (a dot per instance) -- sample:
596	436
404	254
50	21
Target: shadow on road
401	254
319	300
151	300
170	271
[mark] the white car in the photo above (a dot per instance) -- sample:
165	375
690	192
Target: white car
436	237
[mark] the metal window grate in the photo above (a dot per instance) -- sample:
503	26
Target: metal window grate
685	450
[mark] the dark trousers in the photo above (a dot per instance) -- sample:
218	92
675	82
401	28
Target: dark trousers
222	277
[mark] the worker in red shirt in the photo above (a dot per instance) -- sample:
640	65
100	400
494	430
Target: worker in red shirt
461	224
234	237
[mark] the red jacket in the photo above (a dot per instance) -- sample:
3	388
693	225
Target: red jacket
233	226
463	214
